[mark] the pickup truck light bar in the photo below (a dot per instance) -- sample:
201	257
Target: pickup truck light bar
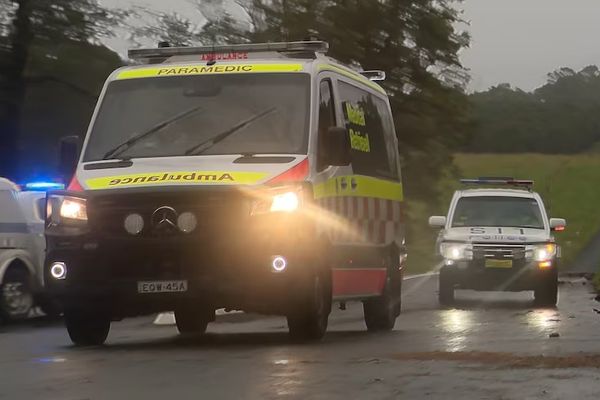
498	181
314	46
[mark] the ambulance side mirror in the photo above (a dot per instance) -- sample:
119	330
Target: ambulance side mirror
68	157
337	146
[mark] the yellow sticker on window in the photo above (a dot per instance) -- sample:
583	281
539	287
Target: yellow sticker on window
359	141
180	177
183	70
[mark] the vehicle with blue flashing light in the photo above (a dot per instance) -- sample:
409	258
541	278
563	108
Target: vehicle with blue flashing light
22	246
261	177
498	237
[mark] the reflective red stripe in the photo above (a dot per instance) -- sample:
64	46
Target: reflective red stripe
356	282
295	174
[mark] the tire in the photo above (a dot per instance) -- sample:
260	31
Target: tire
446	287
546	294
16	297
193	321
307	321
87	327
381	312
50	307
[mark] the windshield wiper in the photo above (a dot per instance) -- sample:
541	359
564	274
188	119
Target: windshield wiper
115	151
200	148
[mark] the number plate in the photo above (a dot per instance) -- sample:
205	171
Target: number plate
498	263
162	286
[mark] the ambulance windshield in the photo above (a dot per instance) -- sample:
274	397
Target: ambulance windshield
208	115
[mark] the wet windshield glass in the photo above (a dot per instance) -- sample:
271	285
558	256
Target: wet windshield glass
163	117
518	212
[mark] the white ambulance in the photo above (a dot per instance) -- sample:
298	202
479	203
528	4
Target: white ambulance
261	177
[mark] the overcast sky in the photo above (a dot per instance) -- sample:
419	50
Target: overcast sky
514	41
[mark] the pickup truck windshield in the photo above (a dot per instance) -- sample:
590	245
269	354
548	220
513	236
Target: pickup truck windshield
498	211
168	116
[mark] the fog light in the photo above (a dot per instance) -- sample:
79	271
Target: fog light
58	270
187	222
279	264
134	224
545	264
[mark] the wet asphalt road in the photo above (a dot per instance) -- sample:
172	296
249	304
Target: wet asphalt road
488	347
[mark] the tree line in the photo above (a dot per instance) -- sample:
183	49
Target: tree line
560	117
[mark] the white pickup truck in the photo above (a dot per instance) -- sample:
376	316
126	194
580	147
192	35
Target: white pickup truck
498	239
22	247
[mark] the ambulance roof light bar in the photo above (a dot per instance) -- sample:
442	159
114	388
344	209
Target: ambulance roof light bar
499	181
313	46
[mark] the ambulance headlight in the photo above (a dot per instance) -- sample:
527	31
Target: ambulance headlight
545	252
73	208
456	251
285	200
66	208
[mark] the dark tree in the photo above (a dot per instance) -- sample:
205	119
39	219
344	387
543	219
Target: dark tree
47	24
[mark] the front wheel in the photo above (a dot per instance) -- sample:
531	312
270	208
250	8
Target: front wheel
446	287
381	312
546	293
87	327
193	321
308	319
50	307
16	297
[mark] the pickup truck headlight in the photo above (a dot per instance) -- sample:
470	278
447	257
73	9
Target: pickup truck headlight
456	251
278	200
545	252
66	208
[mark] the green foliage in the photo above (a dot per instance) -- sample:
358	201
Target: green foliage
36	39
60	98
559	117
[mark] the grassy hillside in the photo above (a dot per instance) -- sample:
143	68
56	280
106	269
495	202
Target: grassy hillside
570	186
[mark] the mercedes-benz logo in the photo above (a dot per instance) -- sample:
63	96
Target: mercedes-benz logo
164	219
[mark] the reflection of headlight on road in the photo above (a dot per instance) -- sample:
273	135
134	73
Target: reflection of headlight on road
456	251
544	252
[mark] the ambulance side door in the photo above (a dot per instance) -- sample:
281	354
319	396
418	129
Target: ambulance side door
369	197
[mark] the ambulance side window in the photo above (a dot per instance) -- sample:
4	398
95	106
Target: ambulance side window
326	120
365	117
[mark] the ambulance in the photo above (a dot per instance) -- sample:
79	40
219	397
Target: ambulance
258	177
22	246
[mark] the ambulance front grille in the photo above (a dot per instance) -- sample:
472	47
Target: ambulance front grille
214	210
